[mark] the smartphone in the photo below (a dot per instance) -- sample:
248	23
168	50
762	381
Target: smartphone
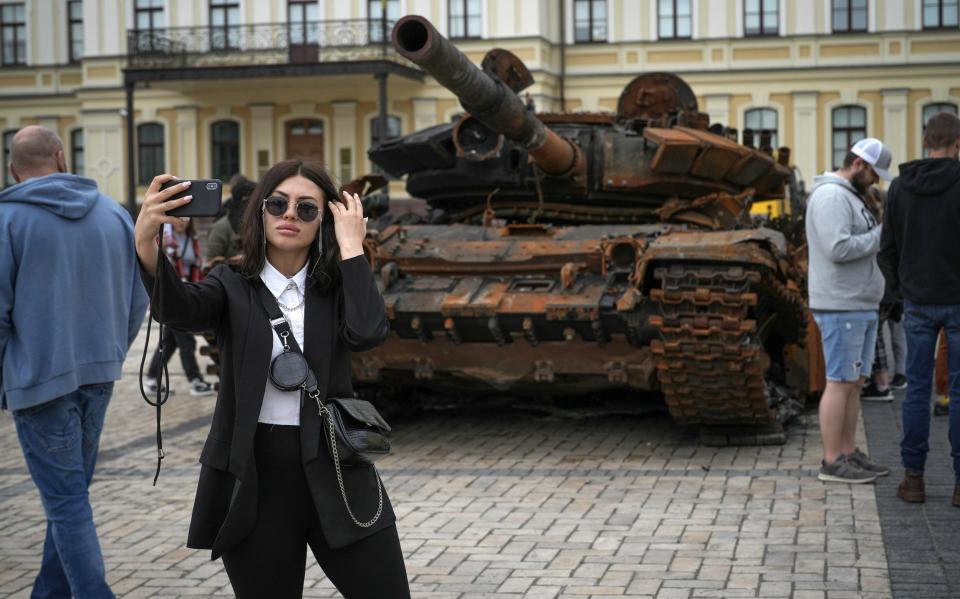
206	197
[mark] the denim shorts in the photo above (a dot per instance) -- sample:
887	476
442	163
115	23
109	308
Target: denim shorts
849	341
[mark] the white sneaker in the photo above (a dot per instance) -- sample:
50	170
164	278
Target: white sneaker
200	387
149	385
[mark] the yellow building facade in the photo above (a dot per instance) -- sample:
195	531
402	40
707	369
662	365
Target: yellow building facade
226	86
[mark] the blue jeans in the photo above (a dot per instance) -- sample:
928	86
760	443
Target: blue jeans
59	439
921	323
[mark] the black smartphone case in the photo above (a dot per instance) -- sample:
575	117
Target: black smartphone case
206	197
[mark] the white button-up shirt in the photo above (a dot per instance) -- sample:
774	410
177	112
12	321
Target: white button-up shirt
283	407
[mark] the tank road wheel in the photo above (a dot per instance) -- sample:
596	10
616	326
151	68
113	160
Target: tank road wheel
710	360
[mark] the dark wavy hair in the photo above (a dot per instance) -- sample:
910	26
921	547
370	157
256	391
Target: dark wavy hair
323	273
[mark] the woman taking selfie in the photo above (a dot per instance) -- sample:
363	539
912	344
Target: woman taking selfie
268	486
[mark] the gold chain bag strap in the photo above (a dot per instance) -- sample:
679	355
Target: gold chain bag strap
356	434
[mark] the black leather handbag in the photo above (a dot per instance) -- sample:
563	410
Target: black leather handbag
356	433
361	435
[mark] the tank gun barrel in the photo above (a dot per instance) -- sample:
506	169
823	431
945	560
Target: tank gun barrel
486	98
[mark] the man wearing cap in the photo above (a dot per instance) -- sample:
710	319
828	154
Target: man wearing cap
920	254
845	288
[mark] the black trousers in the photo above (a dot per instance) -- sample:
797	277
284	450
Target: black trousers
172	340
271	561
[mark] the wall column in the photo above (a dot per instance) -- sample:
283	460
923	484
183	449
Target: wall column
344	140
261	116
805	139
895	126
104	150
188	164
424	113
718	107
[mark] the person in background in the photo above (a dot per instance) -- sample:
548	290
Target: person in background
878	385
71	303
223	241
845	287
898	343
920	255
182	248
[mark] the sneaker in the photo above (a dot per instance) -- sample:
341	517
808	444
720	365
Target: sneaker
200	387
911	489
842	471
899	381
150	386
860	460
871	393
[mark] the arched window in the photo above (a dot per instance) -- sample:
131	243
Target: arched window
757	120
225	149
849	127
931	109
76	152
149	152
393	129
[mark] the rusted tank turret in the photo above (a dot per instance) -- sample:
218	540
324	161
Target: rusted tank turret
575	253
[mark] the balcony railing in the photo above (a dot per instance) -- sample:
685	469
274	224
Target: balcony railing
261	44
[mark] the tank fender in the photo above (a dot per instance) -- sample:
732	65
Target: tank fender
761	247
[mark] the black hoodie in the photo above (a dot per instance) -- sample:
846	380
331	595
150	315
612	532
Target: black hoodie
920	244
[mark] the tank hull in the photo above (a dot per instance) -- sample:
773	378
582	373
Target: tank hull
541	310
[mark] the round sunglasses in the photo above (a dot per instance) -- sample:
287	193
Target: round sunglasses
277	206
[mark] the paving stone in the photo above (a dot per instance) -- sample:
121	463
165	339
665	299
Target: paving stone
521	507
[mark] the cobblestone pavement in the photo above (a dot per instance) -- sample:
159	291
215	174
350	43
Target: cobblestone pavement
500	506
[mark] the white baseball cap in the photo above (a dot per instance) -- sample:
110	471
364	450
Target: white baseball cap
874	153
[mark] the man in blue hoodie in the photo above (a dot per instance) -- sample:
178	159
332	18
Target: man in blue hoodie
920	255
71	303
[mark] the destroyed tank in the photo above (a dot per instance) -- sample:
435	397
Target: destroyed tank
567	254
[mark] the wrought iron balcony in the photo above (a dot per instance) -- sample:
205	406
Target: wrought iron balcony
261	44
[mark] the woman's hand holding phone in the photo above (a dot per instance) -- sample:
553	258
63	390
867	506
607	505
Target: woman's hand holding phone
153	215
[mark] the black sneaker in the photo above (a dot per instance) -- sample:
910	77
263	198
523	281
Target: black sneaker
842	471
871	393
899	382
860	460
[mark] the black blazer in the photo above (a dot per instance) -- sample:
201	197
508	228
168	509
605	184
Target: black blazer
348	319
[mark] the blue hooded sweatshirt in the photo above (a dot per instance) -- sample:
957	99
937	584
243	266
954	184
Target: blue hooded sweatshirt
71	300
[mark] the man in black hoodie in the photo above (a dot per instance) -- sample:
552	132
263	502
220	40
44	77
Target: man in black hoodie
920	256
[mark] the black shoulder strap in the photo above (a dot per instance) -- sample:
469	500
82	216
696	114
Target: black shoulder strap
281	326
277	320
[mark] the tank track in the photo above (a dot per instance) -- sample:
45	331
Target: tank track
710	359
